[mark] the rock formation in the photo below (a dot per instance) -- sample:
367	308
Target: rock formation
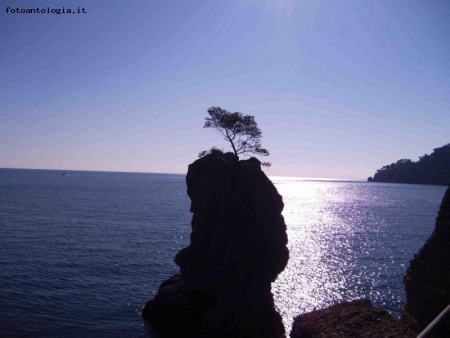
356	319
427	281
237	249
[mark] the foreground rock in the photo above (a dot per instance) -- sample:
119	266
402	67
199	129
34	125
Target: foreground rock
237	249
427	281
350	319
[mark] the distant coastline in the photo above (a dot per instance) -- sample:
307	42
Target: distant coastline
431	169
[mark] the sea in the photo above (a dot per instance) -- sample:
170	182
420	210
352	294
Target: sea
81	252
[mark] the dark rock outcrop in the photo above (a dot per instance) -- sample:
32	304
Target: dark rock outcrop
237	249
350	320
427	281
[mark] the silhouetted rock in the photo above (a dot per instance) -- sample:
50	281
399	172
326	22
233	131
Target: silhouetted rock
356	319
427	281
237	249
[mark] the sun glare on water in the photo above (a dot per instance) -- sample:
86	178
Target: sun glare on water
328	243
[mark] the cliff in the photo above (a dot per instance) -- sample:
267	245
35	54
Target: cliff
237	249
427	281
430	169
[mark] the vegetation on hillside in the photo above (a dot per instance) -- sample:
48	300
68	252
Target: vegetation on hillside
429	169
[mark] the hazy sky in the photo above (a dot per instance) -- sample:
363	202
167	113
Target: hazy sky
338	88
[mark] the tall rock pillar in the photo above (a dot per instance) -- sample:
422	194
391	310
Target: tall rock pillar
237	249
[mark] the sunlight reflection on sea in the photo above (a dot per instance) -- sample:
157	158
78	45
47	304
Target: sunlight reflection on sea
349	240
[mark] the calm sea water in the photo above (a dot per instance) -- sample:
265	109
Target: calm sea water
81	253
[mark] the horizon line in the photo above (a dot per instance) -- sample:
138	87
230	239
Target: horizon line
303	178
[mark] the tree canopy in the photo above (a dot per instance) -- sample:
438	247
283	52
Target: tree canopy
240	130
430	169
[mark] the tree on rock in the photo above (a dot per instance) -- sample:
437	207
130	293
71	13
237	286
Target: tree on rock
240	130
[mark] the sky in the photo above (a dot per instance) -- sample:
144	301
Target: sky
338	88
